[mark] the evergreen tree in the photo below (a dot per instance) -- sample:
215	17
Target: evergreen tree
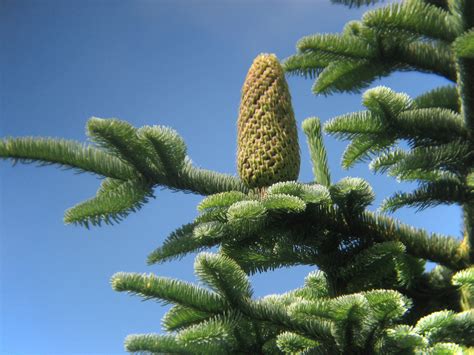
370	293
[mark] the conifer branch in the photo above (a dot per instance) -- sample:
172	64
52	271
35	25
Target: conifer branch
351	61
341	324
221	200
452	157
120	139
415	17
351	125
141	158
312	129
295	343
420	126
213	336
274	249
347	76
464	11
464	280
363	147
180	317
385	161
442	97
446	326
373	266
402	338
352	195
224	276
441	147
269	243
258	260
168	291
268	311
434	247
429	194
161	157
155	343
306	65
169	148
65	153
207	182
433	124
335	47
178	244
427	57
411	166
463	46
114	201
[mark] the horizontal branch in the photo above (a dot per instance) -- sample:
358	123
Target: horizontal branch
419	243
66	153
206	182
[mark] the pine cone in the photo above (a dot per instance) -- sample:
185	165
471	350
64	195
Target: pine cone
267	146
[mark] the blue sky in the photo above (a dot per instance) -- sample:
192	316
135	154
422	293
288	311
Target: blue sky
175	63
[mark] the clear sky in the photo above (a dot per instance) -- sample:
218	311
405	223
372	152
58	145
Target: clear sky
175	63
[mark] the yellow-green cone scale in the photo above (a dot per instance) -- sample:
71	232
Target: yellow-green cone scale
267	138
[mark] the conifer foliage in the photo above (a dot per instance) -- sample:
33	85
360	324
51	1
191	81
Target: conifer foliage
369	293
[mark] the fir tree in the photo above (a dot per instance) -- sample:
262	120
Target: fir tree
370	293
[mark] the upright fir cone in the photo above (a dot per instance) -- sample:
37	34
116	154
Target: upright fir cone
267	138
